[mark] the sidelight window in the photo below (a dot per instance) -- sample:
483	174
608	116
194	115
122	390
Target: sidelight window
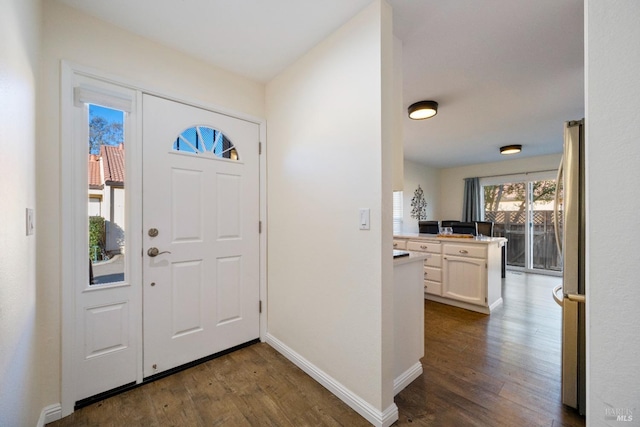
106	167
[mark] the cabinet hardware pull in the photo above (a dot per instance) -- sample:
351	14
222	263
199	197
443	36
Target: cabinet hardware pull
462	251
423	247
395	244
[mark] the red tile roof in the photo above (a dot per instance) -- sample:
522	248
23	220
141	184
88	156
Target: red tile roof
113	164
95	181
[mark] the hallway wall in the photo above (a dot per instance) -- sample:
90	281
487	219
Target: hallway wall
613	178
20	355
330	283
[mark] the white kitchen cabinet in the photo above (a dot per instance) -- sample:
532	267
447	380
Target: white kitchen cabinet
433	280
460	271
399	244
432	265
465	279
433	247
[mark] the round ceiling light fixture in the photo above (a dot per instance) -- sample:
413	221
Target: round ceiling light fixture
511	149
423	110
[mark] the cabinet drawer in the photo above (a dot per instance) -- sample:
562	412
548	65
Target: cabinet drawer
435	260
434	288
400	244
475	251
433	274
432	247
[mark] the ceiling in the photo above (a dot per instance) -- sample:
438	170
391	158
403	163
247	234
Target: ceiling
503	71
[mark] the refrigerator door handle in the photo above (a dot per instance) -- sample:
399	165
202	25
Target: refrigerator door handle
577	298
556	225
554	292
571	297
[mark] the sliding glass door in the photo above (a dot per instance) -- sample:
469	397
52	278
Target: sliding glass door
521	206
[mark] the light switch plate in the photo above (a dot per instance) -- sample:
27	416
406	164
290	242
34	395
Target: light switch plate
31	222
364	218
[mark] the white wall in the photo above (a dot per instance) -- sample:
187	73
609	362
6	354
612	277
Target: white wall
452	179
115	226
613	173
77	37
397	139
19	350
329	282
429	180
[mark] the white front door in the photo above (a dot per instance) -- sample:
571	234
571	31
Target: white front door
201	213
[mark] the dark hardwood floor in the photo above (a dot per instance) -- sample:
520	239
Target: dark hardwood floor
497	370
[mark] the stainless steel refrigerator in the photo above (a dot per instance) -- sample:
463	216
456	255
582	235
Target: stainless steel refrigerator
572	250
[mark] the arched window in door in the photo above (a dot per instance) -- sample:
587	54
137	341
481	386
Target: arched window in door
205	141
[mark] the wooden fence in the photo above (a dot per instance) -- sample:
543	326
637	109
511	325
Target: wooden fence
512	225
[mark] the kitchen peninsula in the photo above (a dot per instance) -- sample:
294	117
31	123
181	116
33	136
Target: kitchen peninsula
463	271
408	317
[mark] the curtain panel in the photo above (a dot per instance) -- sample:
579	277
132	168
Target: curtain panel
471	202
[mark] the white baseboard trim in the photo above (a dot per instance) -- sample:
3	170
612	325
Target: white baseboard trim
377	418
497	303
459	304
406	378
50	414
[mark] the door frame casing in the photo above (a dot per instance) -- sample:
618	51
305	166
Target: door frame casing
72	201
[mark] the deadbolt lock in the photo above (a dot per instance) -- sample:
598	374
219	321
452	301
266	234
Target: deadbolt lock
153	232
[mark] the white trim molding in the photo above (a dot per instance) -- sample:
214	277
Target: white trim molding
374	416
405	378
50	414
466	305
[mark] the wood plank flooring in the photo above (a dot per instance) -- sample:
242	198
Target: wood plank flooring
498	370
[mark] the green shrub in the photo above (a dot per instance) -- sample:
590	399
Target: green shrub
96	235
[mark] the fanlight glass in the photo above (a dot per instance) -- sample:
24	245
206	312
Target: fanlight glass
205	141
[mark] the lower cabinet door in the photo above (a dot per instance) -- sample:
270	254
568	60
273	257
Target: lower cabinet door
464	279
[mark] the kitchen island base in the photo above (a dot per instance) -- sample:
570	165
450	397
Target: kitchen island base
463	271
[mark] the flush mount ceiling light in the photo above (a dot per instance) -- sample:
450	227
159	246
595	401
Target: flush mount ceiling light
511	149
423	110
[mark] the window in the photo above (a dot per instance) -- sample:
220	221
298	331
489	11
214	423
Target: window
205	140
106	167
397	212
522	209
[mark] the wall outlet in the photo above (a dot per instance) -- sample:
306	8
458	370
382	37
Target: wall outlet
31	222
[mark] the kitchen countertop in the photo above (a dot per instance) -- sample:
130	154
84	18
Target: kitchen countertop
473	240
